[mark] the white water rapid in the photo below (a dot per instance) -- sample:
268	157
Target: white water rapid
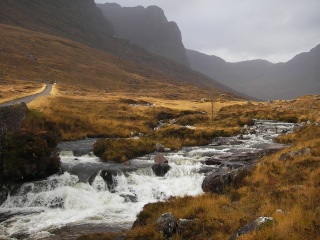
81	197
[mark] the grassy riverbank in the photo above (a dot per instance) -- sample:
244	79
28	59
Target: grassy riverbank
145	121
287	190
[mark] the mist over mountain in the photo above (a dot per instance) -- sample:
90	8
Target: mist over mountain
262	79
147	27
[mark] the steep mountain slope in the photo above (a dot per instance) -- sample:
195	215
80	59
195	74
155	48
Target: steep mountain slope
33	56
147	27
77	20
262	79
83	22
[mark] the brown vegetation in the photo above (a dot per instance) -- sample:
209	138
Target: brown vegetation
39	57
94	97
288	191
29	153
11	89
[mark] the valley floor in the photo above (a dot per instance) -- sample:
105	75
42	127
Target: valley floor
287	190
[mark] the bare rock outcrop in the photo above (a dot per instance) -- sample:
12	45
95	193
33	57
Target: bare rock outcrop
252	226
11	118
149	28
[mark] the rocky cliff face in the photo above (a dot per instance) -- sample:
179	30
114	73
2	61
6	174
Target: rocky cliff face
147	27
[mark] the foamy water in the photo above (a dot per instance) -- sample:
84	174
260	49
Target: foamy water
35	209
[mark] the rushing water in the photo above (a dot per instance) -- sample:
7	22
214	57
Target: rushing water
80	197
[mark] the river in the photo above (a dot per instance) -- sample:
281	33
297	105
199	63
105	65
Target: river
80	201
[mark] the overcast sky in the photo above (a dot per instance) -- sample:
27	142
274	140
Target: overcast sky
238	30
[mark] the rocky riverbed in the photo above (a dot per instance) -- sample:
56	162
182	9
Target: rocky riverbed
96	196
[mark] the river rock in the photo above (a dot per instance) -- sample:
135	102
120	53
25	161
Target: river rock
184	224
297	153
252	226
160	169
218	182
107	177
225	141
160	159
167	224
161	166
159	147
212	161
129	197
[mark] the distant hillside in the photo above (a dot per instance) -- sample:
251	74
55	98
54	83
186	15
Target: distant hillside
83	22
147	27
262	79
78	20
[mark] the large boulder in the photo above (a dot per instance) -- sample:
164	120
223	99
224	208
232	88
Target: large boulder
160	159
108	179
167	224
160	166
27	145
11	118
219	182
253	226
160	169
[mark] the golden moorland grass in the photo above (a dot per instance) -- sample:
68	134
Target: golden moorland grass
288	191
13	89
81	113
38	57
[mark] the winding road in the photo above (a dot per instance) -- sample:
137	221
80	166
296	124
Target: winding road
28	99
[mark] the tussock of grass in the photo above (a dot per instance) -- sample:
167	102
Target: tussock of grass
121	150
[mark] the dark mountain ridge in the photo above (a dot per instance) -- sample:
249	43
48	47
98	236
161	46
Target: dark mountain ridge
82	21
262	79
78	20
147	27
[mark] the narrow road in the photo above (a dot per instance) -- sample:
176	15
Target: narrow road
28	99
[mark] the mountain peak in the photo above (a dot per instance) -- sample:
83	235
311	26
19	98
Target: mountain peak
148	28
157	14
